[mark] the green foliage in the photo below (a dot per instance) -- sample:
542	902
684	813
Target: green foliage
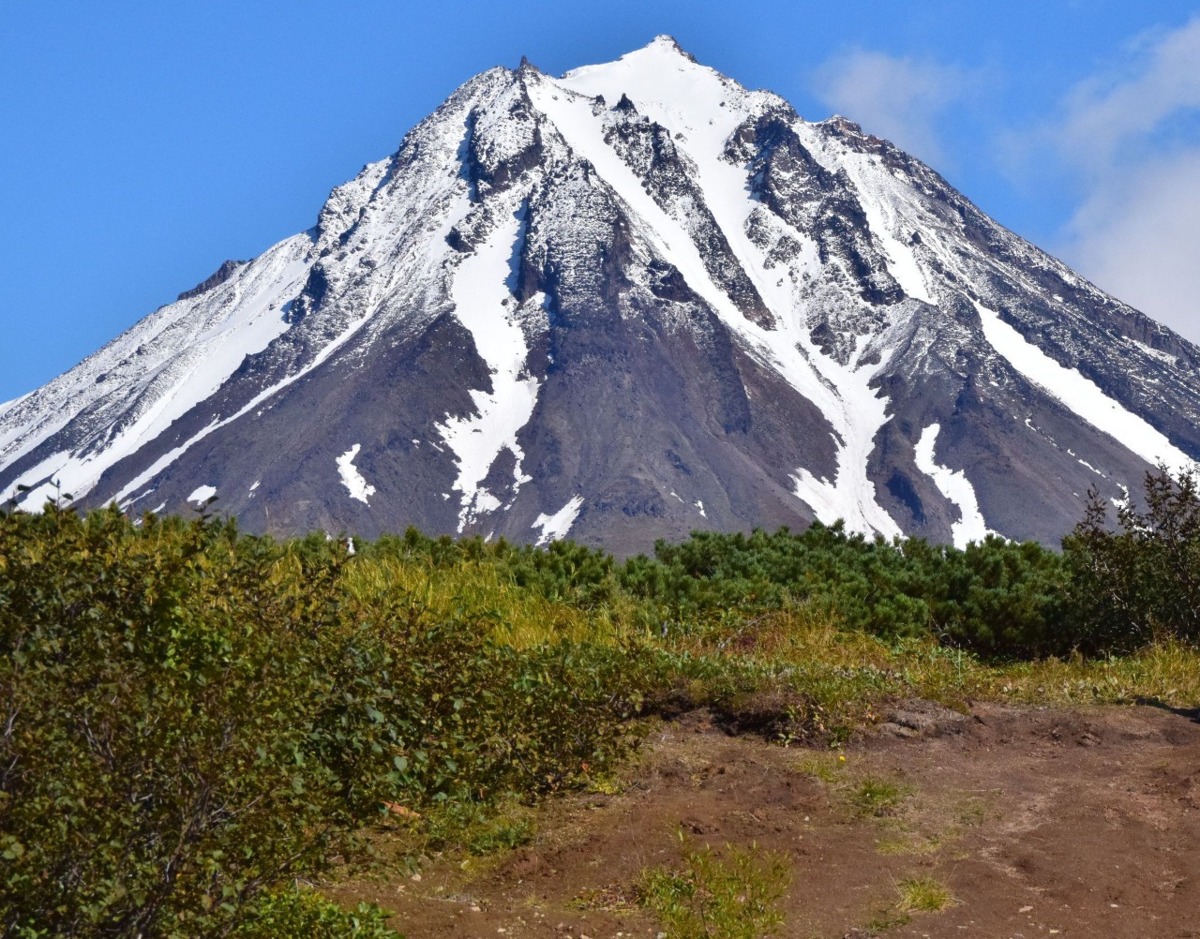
874	797
189	717
731	895
457	716
295	913
1141	582
501	834
923	895
997	598
156	693
583	577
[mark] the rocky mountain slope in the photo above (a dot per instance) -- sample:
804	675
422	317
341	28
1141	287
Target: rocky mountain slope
620	305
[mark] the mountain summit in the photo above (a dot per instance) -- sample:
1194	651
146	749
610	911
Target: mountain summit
624	304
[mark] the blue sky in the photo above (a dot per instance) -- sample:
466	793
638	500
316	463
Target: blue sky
142	143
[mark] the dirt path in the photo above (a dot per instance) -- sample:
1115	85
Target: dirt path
1080	823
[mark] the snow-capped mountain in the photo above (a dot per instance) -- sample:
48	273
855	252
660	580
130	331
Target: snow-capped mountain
624	304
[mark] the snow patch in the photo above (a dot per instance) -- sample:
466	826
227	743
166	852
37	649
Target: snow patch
352	479
180	351
954	485
129	503
893	216
160	369
1164	357
1080	395
884	219
7	405
202	494
555	527
484	304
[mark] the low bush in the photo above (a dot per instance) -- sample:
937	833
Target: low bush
190	716
1138	582
997	598
295	913
157	692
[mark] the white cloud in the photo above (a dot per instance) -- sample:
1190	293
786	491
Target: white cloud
1110	115
1132	141
1136	236
895	97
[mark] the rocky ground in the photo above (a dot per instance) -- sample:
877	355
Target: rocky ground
1038	822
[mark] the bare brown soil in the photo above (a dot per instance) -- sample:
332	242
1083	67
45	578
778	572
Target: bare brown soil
1040	822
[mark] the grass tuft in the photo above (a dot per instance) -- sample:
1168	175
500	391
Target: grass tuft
734	895
923	895
873	797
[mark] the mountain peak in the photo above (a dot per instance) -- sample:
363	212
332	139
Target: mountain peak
670	87
661	55
667	43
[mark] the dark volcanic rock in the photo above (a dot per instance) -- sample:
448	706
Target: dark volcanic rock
218	277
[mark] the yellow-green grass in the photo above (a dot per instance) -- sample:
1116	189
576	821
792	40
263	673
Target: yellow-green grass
475	590
1166	673
923	895
848	675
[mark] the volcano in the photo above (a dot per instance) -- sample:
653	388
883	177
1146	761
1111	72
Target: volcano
622	305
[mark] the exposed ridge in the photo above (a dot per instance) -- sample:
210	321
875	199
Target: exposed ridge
218	277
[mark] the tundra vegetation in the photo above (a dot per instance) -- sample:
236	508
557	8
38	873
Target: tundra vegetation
194	722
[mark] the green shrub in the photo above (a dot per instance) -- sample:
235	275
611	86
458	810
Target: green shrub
295	913
189	717
1140	582
997	598
156	690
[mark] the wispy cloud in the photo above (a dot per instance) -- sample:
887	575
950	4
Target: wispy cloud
1108	115
1136	236
1131	137
896	97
